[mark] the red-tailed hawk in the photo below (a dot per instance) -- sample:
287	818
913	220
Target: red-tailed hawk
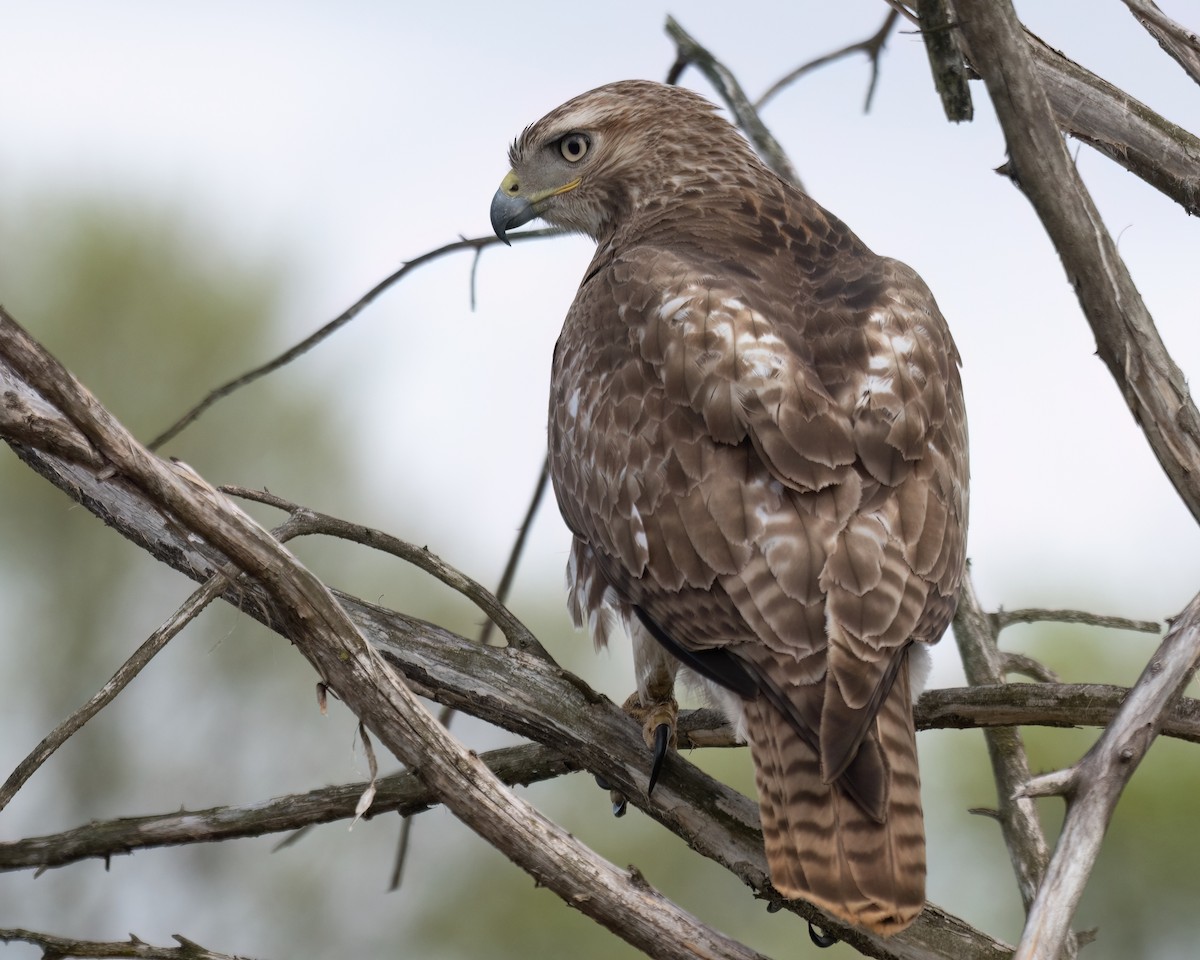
757	438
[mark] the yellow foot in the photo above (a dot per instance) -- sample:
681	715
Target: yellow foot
658	728
658	713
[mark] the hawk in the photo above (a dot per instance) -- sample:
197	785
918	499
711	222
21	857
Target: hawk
757	438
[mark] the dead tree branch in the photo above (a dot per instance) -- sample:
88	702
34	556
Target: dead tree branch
1017	816
1006	618
137	493
872	46
1127	340
1094	785
1109	120
692	53
63	948
1157	395
946	62
145	652
316	622
1122	128
1180	43
403	793
996	705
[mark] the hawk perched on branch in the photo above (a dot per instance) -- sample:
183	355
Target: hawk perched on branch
757	437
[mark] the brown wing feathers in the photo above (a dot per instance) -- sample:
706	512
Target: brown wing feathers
757	437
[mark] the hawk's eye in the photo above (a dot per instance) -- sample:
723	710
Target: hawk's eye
573	147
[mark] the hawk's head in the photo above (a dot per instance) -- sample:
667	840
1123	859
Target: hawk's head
621	148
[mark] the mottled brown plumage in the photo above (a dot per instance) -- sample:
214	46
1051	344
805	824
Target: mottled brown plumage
757	437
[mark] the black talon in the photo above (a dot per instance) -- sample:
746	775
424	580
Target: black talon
662	740
619	803
820	938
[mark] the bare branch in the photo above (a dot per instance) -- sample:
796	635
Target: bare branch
1060	783
310	522
1094	785
62	948
1003	705
1128	342
716	821
691	53
1122	128
1006	618
518	547
1157	395
1039	704
946	62
476	243
872	46
1027	667
119	681
1017	816
320	628
1180	43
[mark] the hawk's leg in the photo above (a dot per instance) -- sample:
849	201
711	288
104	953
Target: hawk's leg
658	719
658	730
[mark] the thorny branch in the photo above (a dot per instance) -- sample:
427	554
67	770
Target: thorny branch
64	948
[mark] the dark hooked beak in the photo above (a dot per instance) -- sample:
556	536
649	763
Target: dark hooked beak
509	210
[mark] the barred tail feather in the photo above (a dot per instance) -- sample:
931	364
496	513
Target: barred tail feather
821	845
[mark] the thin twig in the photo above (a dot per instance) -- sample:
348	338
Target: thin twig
473	243
984	665
960	708
309	522
1094	785
446	714
1026	666
213	588
691	53
119	681
1006	618
63	948
872	46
